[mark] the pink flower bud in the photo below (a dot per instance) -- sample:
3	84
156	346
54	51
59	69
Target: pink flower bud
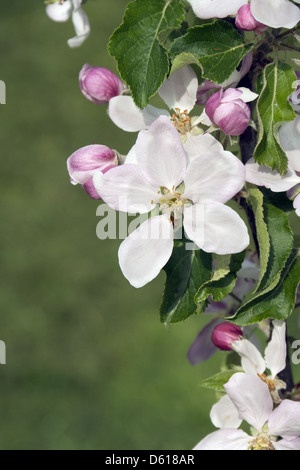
228	111
224	334
99	84
246	21
83	163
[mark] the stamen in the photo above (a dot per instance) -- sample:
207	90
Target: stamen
182	121
269	382
261	442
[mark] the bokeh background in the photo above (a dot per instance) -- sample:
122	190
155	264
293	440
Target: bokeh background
89	365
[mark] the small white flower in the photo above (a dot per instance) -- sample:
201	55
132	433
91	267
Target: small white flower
253	404
273	13
61	12
162	180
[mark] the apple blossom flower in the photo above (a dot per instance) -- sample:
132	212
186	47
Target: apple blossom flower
162	181
62	11
246	21
224	334
228	109
99	84
179	92
273	429
289	137
83	163
274	358
273	13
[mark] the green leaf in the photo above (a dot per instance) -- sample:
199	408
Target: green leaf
136	45
217	381
274	235
186	271
217	47
224	278
273	108
277	301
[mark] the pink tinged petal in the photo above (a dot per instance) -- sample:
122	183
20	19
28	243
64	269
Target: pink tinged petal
131	156
59	12
224	414
296	204
99	84
225	439
275	13
216	176
285	420
251	360
275	352
197	145
83	163
161	155
180	90
126	189
252	398
128	117
283	444
216	228
82	28
216	8
146	250
246	21
271	179
203	348
89	187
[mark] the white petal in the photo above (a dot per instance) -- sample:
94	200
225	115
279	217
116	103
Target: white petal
265	176
252	398
285	420
125	188
216	228
251	360
128	117
131	156
161	155
289	137
216	8
214	176
59	12
197	145
180	90
146	250
224	414
82	28
275	352
275	13
296	204
224	439
247	95
283	444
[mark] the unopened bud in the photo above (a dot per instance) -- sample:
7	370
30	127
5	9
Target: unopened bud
224	334
99	84
246	21
228	111
83	163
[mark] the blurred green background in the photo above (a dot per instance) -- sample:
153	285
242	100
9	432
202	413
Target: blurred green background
89	365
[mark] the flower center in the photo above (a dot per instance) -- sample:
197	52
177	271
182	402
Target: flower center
269	382
182	121
172	201
261	442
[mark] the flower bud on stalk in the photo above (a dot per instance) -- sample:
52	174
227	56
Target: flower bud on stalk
99	84
246	21
83	163
228	111
224	334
